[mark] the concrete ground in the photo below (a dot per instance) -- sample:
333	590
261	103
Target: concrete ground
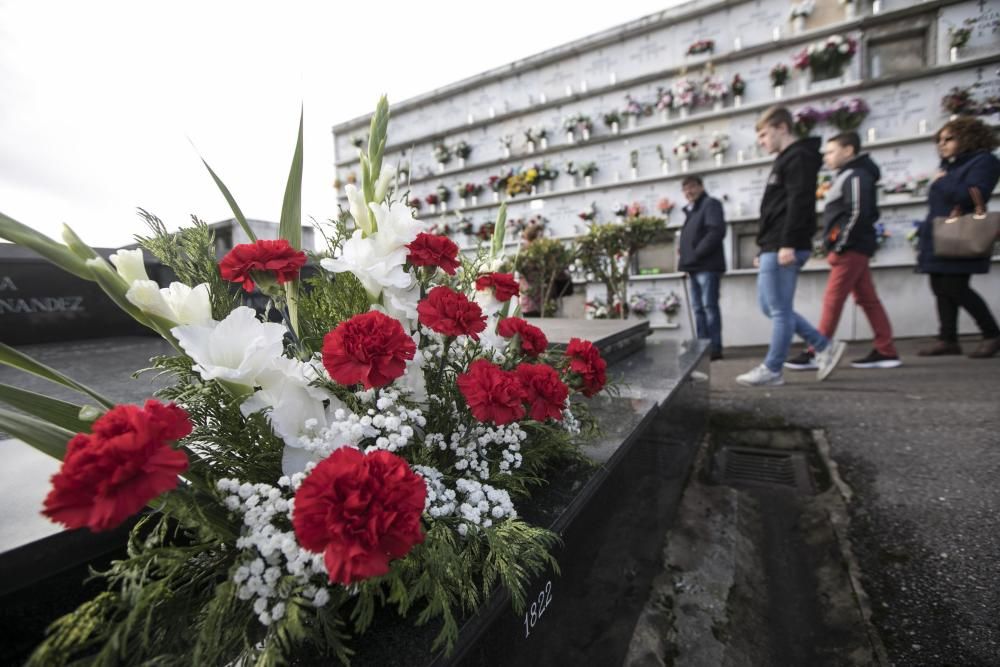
919	446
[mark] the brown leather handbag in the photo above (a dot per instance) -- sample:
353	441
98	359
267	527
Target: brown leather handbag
967	236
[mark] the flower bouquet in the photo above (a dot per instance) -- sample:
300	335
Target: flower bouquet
587	170
621	210
714	90
357	141
959	37
365	452
595	309
779	75
665	206
578	123
671	304
612	120
739	87
848	114
486	231
466	227
718	146
463	150
664	101
806	119
506	141
536	137
960	101
685	149
521	181
468	191
640	304
634	210
685	94
588	214
800	10
701	46
432	200
442	154
414	203
439	229
444	194
827	59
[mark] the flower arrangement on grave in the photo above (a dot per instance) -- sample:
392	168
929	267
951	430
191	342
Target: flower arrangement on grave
578	123
588	214
959	37
827	59
960	101
848	114
432	199
662	154
640	304
685	148
357	141
611	118
779	75
521	181
463	150
738	85
714	90
442	153
498	182
685	93
534	135
635	108
588	168
801	10
665	206
403	171
621	209
469	189
546	172
701	46
465	226
401	410
595	309
414	203
443	193
671	304
486	231
806	118
606	251
719	143
634	210
441	229
664	99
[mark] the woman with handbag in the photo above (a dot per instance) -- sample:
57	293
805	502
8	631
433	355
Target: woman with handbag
968	172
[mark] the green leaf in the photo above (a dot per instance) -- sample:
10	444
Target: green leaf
377	136
290	228
57	253
499	230
240	218
15	359
76	244
60	413
41	435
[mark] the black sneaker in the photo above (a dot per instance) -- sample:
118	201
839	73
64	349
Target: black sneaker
876	359
803	362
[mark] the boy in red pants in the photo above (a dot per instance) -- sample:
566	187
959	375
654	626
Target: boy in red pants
849	236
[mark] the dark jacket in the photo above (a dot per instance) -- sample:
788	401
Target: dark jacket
701	237
975	169
852	208
788	210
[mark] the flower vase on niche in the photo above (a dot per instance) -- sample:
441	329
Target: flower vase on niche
850	9
737	44
506	152
570	139
664	115
475	200
737	101
531	147
496	197
779	92
718	159
586	134
588	181
799	24
876	6
444	206
440	167
685	163
953	54
545	143
717	105
533	191
631	122
684	112
461	163
805	80
634	173
548	186
665	167
433	208
461	202
614	127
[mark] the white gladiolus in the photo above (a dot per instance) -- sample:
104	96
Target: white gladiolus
374	268
130	265
236	350
396	226
359	208
178	303
384	180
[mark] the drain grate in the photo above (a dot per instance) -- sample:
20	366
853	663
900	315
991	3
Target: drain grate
765	467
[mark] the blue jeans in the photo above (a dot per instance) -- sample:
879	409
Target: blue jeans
705	302
776	296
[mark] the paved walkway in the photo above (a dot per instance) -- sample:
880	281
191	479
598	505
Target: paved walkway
920	447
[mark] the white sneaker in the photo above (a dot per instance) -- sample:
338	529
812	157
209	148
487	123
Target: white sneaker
828	359
761	376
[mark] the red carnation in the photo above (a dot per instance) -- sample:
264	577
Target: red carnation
277	257
434	250
111	473
450	313
545	392
503	284
492	394
586	361
371	348
360	512
533	341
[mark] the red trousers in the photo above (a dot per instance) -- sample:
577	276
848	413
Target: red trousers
850	274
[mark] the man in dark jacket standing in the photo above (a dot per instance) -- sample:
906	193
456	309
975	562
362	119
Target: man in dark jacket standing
702	256
849	237
787	225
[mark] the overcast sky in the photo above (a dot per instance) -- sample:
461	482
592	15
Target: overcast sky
105	105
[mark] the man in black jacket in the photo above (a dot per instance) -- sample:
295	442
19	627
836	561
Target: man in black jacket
849	236
787	225
702	256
